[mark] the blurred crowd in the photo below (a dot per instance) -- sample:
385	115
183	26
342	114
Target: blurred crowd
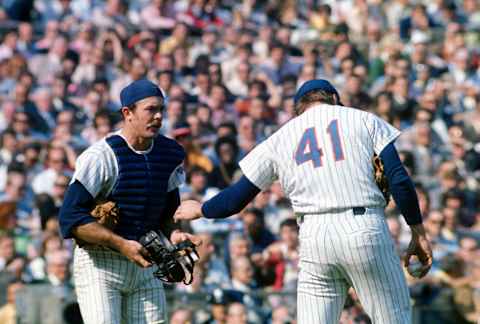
230	70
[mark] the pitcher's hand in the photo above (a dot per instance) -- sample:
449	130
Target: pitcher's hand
178	236
188	210
420	247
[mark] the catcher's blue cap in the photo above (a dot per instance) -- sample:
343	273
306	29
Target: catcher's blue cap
139	90
316	84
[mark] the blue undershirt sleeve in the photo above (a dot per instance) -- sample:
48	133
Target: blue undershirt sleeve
401	186
76	207
230	200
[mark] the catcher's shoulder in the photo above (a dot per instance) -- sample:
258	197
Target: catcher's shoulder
98	148
97	156
169	144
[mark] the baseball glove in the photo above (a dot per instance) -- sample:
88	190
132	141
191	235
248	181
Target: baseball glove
380	178
107	214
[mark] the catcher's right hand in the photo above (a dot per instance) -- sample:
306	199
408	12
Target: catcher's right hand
135	252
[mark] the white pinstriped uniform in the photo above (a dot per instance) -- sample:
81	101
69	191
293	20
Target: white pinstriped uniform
111	289
322	159
129	294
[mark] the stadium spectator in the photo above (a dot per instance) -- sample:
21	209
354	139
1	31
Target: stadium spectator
8	312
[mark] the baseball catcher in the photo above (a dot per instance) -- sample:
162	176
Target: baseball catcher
138	171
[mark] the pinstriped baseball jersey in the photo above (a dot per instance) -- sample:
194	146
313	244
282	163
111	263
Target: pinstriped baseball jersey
322	159
97	169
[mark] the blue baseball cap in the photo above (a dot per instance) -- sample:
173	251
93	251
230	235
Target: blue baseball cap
317	84
138	90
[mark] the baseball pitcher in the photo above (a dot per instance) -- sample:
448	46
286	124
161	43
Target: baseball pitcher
323	161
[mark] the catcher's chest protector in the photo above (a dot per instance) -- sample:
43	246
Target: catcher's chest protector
142	184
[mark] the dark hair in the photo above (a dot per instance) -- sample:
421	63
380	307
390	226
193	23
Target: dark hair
315	96
196	170
229	125
408	159
100	80
421	7
7	131
103	113
259	219
22	110
289	78
453	194
386	94
277	45
33	146
341	28
452	264
246	47
17	167
259	214
225	90
73	56
201	64
289	222
46	208
262	88
227	140
429	112
349	58
167	72
325	8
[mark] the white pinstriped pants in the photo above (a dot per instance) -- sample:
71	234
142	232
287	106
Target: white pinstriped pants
111	289
341	250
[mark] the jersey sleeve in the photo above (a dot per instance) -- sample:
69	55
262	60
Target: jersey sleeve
177	178
259	167
92	171
381	132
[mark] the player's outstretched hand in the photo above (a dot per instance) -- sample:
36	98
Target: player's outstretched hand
420	247
179	236
135	252
188	210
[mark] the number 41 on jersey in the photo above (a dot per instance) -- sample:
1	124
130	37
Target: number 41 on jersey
308	149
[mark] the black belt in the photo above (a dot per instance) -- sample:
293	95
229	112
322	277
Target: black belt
359	210
355	210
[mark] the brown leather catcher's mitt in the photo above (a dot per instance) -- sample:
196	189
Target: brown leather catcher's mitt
380	178
107	214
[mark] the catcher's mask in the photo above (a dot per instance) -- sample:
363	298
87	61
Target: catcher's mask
175	262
